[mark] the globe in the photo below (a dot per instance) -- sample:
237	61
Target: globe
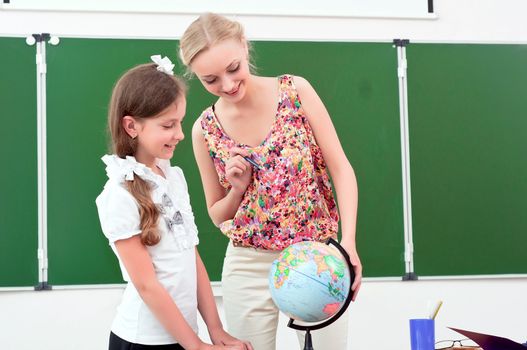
309	281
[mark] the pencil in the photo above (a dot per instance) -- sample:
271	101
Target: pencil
437	309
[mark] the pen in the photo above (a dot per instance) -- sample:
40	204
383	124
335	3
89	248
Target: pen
252	162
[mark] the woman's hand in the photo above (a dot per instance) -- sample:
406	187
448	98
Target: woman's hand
238	171
227	341
357	265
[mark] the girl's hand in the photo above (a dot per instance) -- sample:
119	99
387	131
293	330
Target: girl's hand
357	266
238	171
220	337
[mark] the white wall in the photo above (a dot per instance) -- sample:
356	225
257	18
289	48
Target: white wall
80	319
457	21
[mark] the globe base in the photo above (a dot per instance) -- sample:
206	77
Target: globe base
308	342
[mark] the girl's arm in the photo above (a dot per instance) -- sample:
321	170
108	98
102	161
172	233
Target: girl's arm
221	204
209	312
339	167
139	265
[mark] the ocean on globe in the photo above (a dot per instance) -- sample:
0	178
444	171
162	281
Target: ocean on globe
309	281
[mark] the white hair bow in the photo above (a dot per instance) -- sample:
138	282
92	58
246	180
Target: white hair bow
163	64
123	169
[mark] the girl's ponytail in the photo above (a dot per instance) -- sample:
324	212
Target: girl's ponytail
148	211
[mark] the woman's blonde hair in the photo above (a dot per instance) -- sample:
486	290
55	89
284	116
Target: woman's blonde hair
204	32
142	92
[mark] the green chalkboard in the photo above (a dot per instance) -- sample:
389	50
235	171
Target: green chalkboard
357	82
467	148
81	74
18	146
363	104
468	142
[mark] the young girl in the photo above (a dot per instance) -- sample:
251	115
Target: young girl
145	213
264	173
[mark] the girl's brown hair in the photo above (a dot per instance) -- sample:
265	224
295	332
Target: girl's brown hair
204	32
142	92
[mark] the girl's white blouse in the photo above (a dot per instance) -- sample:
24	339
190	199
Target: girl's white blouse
173	257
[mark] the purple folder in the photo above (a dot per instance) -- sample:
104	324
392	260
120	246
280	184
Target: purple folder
490	342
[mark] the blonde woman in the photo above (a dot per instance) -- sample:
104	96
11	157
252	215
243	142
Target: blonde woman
264	149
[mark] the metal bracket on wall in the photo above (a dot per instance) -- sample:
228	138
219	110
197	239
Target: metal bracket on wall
43	286
402	64
401	42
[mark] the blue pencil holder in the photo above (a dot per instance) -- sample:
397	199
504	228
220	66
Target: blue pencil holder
422	334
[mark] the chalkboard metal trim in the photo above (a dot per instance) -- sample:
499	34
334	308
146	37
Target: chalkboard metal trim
216	286
474	277
16	289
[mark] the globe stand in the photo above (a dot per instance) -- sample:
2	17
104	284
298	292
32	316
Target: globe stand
308	342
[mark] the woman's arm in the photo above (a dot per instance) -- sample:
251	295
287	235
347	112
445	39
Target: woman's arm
339	167
139	265
209	312
221	204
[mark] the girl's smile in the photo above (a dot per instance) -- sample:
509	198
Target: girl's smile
158	137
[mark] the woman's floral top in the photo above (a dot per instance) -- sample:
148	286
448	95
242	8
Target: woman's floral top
290	198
